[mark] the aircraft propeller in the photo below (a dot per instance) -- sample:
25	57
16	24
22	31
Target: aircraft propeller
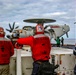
67	34
50	31
12	27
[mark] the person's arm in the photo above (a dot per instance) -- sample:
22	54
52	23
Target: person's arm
11	49
26	41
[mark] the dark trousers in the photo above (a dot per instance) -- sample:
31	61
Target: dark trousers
75	70
35	68
58	45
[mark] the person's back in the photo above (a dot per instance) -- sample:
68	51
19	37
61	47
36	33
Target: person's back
58	42
6	51
41	48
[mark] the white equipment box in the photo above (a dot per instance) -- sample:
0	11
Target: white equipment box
62	56
66	60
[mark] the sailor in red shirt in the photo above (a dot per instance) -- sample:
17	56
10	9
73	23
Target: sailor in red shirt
40	46
6	51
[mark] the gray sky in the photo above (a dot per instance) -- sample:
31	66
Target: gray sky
63	11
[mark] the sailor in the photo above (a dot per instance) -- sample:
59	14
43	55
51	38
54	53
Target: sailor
62	41
40	47
74	52
58	41
6	51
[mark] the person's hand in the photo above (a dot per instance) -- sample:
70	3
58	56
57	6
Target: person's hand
18	46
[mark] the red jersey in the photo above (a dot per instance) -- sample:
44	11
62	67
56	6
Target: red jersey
40	46
6	50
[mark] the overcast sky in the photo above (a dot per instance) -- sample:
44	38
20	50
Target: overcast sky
63	11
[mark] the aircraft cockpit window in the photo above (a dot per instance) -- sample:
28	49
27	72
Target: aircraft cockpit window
28	29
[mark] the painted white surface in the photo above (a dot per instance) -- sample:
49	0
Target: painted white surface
18	62
63	54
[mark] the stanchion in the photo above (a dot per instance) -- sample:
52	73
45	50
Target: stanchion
18	62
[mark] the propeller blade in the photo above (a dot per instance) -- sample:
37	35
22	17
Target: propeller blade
46	32
46	26
8	30
14	23
8	36
13	26
74	22
10	26
16	27
51	30
67	34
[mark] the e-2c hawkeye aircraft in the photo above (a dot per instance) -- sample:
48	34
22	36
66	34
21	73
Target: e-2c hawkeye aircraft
53	31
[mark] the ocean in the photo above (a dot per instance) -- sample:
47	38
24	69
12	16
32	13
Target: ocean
66	41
